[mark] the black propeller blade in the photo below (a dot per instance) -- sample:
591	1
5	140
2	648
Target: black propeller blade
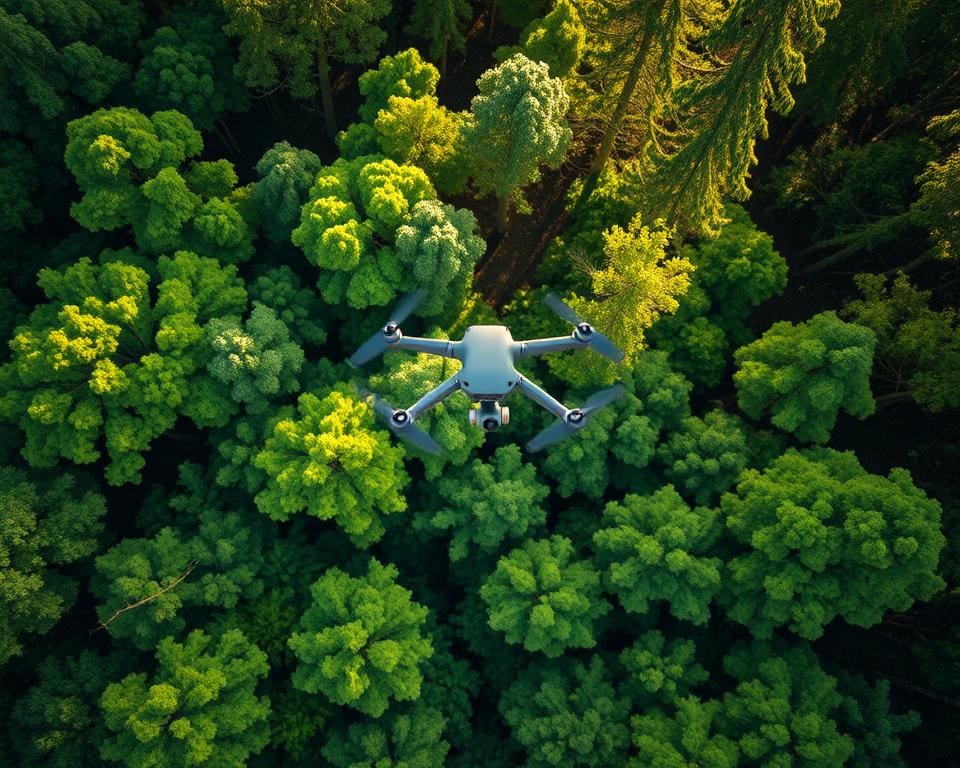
593	337
399	422
379	342
577	419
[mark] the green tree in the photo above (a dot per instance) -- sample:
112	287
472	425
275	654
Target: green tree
187	66
804	374
865	714
622	438
286	175
568	714
519	124
488	501
423	133
825	538
327	459
558	40
918	347
656	548
98	363
705	456
354	206
293	42
297	306
405	74
437	246
146	585
198	708
757	53
128	168
43	525
783	710
441	23
543	597
361	642
411	739
57	722
256	357
661	673
686	738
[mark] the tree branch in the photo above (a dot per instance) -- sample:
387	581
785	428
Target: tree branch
142	601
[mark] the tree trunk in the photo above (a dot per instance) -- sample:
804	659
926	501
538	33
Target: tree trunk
326	95
619	112
443	59
503	209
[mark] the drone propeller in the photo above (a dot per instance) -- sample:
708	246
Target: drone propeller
400	423
576	419
380	341
587	332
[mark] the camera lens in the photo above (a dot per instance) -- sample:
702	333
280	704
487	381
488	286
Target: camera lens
490	424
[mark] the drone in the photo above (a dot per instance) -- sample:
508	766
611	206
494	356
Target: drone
488	354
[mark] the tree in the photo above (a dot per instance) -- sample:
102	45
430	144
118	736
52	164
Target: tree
187	66
442	23
918	347
412	739
824	538
57	722
936	209
286	175
43	525
256	357
198	708
567	714
327	459
732	273
558	40
784	707
146	585
762	46
292	43
661	673
635	284
437	246
705	456
804	374
656	548
544	598
128	167
361	641
297	306
685	739
486	502
405	75
519	125
353	206
865	714
98	362
423	133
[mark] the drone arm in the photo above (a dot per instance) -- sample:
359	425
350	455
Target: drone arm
439	347
439	393
544	346
541	397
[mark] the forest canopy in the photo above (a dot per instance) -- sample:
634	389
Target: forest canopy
215	551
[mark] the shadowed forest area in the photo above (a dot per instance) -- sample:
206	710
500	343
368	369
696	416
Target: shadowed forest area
212	551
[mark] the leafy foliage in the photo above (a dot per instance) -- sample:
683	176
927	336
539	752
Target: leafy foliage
199	708
327	459
544	598
805	374
656	548
361	643
42	525
825	539
412	740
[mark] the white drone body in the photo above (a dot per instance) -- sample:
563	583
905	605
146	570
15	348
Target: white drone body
488	354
